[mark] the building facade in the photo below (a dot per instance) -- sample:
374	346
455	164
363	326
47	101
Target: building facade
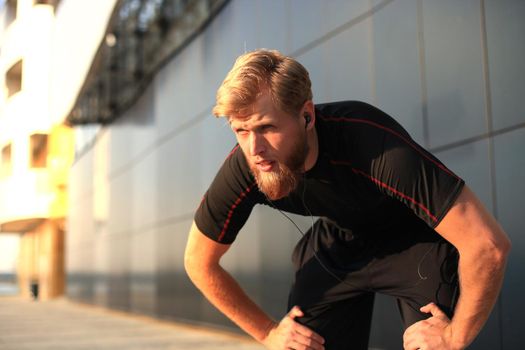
450	72
36	150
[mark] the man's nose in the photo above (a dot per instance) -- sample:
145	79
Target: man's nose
257	144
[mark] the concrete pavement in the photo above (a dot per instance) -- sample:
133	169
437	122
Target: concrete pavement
61	324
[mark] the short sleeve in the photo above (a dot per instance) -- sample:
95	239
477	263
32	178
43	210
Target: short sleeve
227	204
407	172
385	157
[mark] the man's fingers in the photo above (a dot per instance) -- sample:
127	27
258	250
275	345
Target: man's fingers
295	312
434	310
297	345
309	341
308	333
410	333
410	330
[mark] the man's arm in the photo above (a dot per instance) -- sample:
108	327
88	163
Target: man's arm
202	263
483	247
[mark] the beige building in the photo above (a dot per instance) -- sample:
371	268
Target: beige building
36	148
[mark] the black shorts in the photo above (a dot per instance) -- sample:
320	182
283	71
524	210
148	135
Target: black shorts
416	267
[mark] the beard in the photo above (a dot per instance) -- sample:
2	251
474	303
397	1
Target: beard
285	179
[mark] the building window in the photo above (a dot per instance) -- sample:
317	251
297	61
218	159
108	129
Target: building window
38	144
46	2
6	167
10	12
13	79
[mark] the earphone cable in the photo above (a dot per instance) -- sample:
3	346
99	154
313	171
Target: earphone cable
309	241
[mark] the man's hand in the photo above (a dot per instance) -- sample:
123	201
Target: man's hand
433	333
289	334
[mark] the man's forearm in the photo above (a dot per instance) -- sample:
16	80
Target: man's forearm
480	278
219	287
483	247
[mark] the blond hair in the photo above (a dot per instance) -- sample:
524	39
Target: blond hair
285	79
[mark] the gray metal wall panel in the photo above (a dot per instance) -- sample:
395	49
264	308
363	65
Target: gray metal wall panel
118	277
272	23
471	162
387	328
79	242
397	79
510	172
312	19
276	268
119	210
349	65
144	209
183	89
454	73
177	297
506	51
306	21
316	62
101	269
143	271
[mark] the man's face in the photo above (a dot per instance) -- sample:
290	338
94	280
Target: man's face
274	144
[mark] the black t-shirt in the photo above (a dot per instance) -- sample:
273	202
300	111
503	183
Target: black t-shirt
370	177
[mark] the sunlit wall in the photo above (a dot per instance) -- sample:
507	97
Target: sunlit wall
449	71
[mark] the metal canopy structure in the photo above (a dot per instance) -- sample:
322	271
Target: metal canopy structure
141	37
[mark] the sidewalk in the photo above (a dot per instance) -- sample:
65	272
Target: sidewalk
62	324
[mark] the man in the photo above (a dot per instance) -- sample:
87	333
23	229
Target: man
393	218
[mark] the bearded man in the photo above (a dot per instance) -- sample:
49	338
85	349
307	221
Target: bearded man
392	218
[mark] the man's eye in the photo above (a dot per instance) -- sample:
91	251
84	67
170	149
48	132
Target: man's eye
267	128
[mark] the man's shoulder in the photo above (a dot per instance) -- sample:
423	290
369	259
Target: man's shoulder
358	116
357	131
235	165
344	108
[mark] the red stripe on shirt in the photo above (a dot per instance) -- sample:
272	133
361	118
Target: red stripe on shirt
202	199
232	151
232	209
410	143
384	185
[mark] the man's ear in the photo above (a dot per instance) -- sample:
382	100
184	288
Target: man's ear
308	112
307	119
